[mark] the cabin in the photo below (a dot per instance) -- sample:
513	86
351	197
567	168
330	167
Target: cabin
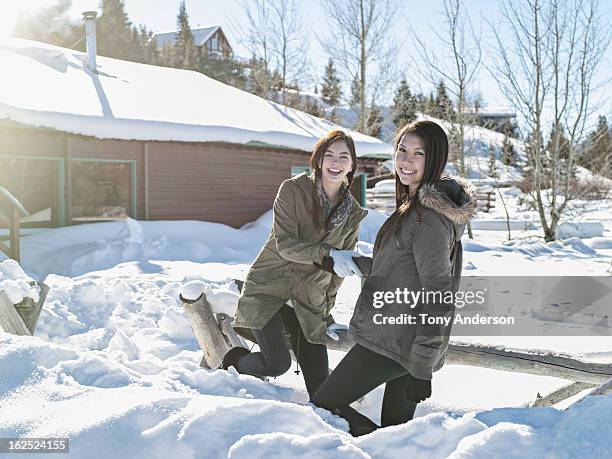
210	40
85	138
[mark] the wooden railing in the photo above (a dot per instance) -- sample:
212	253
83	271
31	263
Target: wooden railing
215	336
11	212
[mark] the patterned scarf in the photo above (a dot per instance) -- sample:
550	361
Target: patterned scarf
342	211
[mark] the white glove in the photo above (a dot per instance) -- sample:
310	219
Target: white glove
333	328
344	266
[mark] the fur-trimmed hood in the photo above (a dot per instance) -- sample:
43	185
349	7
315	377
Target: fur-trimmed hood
453	197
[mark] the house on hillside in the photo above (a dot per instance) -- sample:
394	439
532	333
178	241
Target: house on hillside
500	120
155	143
211	40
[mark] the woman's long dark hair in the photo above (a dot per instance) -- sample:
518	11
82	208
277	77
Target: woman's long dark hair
316	162
435	143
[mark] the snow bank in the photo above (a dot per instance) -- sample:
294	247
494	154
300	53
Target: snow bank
199	413
580	229
114	364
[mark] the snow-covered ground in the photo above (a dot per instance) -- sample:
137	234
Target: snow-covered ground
114	364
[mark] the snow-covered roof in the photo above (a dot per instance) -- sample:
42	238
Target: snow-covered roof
50	87
200	36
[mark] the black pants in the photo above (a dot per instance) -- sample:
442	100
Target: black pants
358	373
274	358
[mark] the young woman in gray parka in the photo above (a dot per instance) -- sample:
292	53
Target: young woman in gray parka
417	249
314	216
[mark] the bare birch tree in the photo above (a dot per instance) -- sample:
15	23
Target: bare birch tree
547	71
359	40
289	44
278	43
454	58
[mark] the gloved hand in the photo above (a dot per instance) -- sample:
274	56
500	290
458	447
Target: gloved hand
418	389
333	328
344	265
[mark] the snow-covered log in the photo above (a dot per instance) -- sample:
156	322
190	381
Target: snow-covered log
232	338
206	330
531	362
10	321
497	358
21	319
561	394
604	389
30	310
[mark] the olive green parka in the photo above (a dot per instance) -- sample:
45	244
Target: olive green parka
419	250
284	269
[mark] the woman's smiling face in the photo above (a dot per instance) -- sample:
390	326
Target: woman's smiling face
410	160
337	162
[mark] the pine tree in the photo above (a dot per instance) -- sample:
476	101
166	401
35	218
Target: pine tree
354	99
563	147
330	88
311	106
259	78
374	122
431	104
228	71
597	153
115	37
186	55
152	53
508	154
492	161
404	105
444	106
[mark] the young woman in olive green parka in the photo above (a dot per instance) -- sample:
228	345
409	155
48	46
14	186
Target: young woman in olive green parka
315	215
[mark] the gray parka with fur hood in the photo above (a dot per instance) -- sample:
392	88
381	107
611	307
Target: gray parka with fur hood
417	251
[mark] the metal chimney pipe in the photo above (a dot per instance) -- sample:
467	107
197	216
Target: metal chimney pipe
90	37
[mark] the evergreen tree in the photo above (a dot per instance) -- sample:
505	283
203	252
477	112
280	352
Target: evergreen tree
404	105
443	104
597	153
509	157
354	99
374	122
431	104
258	78
152	53
563	148
311	106
228	71
330	88
186	55
333	116
492	161
115	33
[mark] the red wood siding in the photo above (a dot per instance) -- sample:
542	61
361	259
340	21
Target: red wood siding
222	183
17	141
217	182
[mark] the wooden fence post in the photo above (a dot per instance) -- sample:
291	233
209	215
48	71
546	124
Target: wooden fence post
206	330
10	320
21	319
14	234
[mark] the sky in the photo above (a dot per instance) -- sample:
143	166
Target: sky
422	17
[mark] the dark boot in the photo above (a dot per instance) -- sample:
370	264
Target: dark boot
232	357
